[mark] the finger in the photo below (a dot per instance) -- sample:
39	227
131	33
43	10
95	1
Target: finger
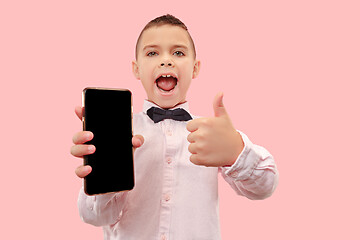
199	135
218	105
137	141
83	171
192	148
191	137
82	137
79	112
193	125
80	150
194	159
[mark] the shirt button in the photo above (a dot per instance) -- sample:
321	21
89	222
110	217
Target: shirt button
168	132
169	160
167	197
234	173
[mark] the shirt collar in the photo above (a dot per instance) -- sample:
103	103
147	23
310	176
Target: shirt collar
148	104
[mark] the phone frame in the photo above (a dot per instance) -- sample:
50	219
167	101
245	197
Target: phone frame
84	129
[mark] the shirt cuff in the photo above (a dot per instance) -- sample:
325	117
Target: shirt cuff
101	199
245	163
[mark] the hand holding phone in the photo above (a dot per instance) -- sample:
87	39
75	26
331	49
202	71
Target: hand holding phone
80	150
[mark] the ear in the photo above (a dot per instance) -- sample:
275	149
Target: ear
196	69
135	69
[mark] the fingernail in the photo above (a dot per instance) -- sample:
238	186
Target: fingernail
87	169
88	136
91	148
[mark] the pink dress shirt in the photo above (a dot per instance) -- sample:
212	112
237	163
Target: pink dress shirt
174	199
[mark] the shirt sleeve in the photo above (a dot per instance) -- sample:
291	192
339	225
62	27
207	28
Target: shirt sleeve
101	210
254	173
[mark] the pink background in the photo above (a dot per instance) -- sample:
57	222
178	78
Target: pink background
289	71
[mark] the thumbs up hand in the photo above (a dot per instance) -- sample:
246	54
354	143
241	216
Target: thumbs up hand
214	142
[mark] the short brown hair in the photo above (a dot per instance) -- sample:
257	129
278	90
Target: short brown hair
163	20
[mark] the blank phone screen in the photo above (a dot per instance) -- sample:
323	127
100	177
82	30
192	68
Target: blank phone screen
108	114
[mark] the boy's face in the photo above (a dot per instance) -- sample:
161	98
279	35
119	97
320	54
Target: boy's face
165	64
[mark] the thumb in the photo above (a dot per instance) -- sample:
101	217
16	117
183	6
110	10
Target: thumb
219	108
137	141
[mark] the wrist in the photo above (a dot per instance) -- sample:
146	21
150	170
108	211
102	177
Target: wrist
238	148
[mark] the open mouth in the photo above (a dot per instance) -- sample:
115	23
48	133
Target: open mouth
166	83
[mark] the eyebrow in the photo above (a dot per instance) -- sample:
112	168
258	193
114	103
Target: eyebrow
181	46
150	46
157	46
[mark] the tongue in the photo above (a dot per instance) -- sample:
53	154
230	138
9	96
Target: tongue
166	83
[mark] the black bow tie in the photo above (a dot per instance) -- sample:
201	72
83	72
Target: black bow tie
158	114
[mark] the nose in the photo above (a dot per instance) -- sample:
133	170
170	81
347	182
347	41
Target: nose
166	62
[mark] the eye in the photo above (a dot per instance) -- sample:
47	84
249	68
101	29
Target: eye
179	53
151	54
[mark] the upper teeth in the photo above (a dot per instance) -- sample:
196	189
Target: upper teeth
166	75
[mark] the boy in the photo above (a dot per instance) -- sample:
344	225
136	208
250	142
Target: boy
176	160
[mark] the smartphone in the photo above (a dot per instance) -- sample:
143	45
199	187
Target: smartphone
108	115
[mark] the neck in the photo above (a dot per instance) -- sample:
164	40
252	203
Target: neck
167	107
